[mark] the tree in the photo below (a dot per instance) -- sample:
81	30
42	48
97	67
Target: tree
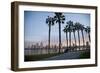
50	22
77	26
74	29
59	18
70	25
87	29
82	28
66	31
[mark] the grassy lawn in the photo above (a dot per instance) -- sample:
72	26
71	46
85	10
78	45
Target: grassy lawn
85	55
39	57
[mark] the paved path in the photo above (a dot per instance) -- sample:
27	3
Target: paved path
69	55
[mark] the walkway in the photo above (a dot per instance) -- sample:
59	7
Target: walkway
69	55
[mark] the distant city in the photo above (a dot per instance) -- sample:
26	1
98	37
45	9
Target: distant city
41	45
28	44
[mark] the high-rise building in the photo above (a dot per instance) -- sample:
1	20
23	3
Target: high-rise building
41	45
37	45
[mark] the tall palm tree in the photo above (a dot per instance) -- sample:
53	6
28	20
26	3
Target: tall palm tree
70	24
66	31
50	22
77	26
74	29
82	29
59	18
87	29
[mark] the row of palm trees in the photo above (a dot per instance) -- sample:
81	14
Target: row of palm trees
73	27
59	19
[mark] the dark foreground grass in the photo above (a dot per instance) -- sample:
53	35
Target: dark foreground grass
39	57
85	55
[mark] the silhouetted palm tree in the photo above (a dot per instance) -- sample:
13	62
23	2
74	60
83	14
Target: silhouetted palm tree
77	26
59	18
70	25
50	22
74	29
82	28
87	29
66	31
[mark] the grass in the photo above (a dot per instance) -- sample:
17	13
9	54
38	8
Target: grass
85	55
39	57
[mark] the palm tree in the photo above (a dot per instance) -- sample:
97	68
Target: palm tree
59	18
77	26
87	29
50	22
70	24
74	29
82	28
66	31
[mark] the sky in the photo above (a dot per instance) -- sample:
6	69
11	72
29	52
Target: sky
36	30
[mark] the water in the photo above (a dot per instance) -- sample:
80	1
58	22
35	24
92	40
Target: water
34	51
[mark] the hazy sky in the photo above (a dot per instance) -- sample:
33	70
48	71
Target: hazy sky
36	29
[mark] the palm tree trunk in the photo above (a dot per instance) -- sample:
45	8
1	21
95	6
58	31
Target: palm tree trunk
66	40
74	37
83	37
49	38
89	37
79	39
59	37
69	40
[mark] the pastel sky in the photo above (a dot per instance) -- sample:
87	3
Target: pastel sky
36	29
